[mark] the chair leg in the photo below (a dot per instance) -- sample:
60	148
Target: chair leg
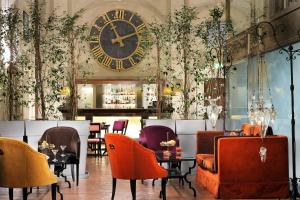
163	188
99	149
133	188
24	193
11	193
53	191
153	182
114	183
72	172
77	174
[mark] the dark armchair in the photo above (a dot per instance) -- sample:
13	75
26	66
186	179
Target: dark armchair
152	136
65	136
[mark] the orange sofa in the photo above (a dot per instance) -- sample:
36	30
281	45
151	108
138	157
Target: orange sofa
230	167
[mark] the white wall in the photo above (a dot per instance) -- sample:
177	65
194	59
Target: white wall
35	130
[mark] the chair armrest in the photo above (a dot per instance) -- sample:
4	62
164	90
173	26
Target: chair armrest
38	171
142	139
146	164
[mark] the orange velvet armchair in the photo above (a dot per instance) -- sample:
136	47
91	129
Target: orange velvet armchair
130	160
23	167
231	167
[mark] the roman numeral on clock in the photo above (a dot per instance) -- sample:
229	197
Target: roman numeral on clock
106	18
106	61
94	39
97	27
139	52
119	64
132	15
132	61
98	52
140	28
119	14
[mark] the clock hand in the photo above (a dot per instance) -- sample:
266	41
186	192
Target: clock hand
121	38
113	27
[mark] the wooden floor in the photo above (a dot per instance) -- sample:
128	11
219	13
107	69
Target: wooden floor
98	186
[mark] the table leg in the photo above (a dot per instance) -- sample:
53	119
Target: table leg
58	190
58	172
189	182
66	180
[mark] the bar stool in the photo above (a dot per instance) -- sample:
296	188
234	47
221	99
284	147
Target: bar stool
119	126
93	142
125	125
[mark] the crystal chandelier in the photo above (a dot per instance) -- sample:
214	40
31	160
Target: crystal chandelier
260	112
213	110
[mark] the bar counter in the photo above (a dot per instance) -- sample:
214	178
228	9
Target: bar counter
89	113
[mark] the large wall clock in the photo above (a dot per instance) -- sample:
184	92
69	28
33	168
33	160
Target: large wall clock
116	39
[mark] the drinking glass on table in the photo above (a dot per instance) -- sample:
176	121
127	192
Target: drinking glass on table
63	147
54	151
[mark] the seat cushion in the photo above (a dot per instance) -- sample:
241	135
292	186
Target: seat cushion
206	161
91	140
200	157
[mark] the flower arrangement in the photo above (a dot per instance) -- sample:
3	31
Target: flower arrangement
46	145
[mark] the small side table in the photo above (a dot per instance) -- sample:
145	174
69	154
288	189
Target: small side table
176	172
59	166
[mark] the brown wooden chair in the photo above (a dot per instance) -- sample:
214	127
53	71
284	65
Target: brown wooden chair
68	136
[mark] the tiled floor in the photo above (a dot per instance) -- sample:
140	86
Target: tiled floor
98	186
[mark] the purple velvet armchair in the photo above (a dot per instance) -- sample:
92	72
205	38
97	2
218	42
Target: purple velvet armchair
152	136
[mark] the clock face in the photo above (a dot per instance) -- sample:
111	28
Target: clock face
116	39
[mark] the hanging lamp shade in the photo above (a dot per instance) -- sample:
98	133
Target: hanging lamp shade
65	91
167	90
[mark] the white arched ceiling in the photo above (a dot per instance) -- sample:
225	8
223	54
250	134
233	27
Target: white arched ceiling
147	9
